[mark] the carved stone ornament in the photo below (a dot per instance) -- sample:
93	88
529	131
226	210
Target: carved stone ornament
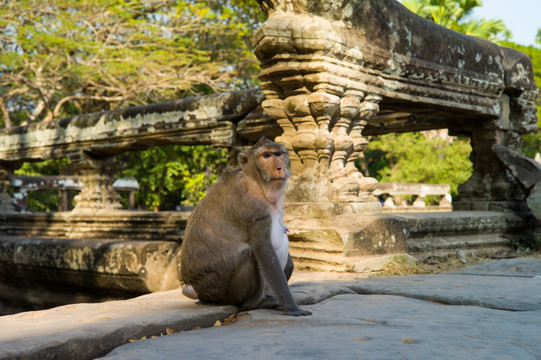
98	176
329	66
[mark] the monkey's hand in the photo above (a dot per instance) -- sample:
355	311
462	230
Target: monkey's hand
297	312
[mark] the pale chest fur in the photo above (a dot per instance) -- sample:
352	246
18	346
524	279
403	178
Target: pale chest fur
279	239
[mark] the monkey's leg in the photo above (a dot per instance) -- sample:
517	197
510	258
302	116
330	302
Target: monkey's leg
269	302
248	286
189	291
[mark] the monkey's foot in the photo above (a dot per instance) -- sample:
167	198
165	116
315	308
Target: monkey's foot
189	291
298	312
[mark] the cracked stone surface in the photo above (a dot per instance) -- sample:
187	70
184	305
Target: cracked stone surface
357	327
486	311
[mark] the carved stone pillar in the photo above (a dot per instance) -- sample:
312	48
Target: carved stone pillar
323	135
491	186
97	176
326	65
320	108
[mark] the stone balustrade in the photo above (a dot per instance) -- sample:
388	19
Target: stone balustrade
396	191
330	67
91	141
22	185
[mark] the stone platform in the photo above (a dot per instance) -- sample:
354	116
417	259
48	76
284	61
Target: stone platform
487	311
343	242
62	258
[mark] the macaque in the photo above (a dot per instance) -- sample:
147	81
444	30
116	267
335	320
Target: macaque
235	249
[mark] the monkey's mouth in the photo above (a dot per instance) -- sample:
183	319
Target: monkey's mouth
279	179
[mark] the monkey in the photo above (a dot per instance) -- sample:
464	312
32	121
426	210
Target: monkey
235	248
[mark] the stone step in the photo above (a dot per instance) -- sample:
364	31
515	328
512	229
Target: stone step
85	268
479	232
344	243
120	254
103	224
445	245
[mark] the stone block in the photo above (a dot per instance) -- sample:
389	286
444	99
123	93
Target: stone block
88	266
525	170
382	234
534	200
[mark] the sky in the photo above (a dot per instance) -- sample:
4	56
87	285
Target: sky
522	17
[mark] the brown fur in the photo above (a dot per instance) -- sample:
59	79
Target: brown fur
227	252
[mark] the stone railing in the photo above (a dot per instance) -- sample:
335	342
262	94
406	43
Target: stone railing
92	141
22	185
333	73
396	191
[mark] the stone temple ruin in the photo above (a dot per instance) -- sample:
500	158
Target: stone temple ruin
333	73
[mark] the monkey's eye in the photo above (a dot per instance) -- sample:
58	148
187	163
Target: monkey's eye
266	155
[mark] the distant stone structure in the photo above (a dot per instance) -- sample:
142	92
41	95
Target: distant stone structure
333	73
420	191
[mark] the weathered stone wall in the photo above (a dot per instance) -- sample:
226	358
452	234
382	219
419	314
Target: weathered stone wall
50	259
196	120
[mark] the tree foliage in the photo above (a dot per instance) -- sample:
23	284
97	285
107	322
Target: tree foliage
412	157
457	15
66	57
60	58
170	175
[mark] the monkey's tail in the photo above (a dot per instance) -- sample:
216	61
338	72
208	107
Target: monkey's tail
189	291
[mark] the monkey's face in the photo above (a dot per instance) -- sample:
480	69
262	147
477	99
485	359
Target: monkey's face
273	165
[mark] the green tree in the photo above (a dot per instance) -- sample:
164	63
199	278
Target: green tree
66	57
60	58
415	158
170	175
457	15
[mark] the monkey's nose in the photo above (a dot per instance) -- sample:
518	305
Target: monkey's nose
279	169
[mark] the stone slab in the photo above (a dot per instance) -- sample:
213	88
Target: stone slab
85	331
452	315
517	267
496	292
511	284
357	327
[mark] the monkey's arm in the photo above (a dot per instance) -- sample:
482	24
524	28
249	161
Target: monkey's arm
260	238
288	271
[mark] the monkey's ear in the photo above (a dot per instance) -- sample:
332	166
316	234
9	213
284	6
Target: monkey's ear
242	158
